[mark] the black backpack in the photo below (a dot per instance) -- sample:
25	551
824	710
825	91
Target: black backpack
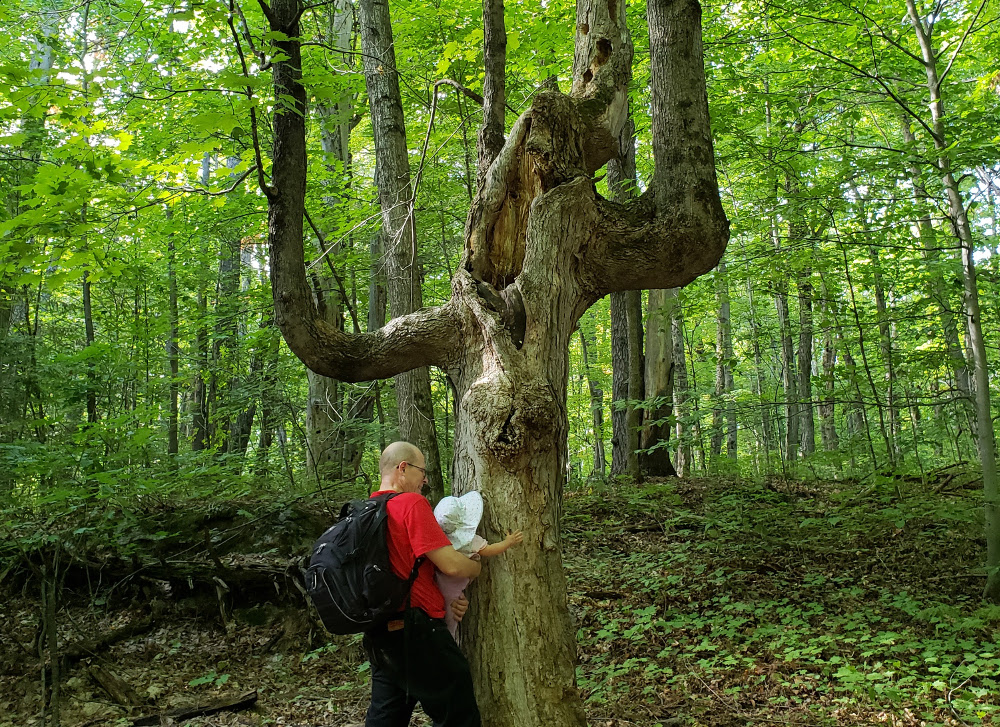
350	579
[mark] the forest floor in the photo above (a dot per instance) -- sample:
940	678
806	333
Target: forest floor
698	602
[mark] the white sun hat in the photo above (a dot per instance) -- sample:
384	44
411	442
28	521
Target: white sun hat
459	517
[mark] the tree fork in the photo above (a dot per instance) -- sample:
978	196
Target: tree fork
541	238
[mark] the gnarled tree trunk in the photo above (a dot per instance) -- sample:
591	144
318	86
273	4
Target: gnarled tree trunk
541	247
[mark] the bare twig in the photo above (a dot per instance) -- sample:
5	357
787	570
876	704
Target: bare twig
266	188
333	271
221	192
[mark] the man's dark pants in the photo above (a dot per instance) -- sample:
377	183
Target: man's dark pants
419	663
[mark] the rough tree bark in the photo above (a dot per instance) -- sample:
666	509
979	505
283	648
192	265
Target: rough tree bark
202	405
789	381
173	344
937	289
541	247
799	235
724	408
885	347
827	405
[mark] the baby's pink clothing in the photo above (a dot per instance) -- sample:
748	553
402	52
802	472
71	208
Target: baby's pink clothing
452	586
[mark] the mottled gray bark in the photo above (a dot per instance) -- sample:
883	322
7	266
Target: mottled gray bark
885	348
789	380
329	411
827	406
173	344
937	290
491	133
804	357
723	409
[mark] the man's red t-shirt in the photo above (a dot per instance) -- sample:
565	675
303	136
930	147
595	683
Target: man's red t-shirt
413	532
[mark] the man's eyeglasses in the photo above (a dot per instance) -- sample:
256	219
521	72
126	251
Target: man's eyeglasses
422	469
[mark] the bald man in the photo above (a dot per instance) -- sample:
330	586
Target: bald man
413	657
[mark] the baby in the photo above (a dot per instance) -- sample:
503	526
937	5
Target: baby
459	517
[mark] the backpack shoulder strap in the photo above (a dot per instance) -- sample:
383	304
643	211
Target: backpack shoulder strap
419	561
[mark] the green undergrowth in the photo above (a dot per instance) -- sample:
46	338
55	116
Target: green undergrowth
732	602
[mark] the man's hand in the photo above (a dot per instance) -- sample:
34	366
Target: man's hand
459	606
513	539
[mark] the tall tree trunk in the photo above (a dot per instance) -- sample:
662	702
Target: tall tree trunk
173	343
827	406
626	332
789	380
937	290
327	414
657	419
226	339
885	346
88	325
723	410
804	356
200	415
201	418
491	133
596	402
766	425
392	177
682	416
985	437
798	235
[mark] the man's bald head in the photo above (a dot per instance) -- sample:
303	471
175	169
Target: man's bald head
395	453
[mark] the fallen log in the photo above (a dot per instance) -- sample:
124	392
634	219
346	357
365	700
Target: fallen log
119	689
94	647
231	704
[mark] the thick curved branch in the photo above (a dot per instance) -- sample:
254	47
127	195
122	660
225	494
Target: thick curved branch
684	189
678	230
427	337
637	247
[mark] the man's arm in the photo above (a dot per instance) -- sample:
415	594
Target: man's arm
452	563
